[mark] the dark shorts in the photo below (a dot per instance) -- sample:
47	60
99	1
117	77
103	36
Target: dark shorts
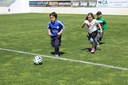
56	41
93	34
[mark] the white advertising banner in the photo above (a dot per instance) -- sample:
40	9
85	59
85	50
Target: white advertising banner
117	3
102	3
113	3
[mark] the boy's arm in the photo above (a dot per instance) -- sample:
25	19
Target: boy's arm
60	33
105	25
49	32
62	29
100	28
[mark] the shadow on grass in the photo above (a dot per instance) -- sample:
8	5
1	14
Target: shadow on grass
101	43
38	64
89	49
60	53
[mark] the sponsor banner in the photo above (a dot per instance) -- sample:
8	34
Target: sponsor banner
38	3
84	3
102	3
112	3
53	3
64	3
80	3
117	3
50	3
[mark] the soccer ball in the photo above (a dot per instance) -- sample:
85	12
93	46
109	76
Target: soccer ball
38	60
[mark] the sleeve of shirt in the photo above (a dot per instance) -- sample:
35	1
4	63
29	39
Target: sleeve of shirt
62	25
86	22
96	22
49	27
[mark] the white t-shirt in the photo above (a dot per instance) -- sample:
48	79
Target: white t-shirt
92	26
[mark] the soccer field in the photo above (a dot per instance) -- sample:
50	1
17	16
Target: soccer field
28	33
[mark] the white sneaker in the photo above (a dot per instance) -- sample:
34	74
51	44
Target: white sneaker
56	55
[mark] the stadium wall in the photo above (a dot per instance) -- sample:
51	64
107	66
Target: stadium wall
22	6
4	10
70	10
67	10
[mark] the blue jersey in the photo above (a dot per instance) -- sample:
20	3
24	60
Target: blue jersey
55	27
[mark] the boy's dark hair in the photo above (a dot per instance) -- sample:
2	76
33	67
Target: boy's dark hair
53	14
91	15
99	13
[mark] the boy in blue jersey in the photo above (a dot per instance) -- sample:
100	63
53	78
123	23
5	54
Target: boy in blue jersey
55	30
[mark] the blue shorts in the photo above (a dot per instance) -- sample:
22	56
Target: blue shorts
56	41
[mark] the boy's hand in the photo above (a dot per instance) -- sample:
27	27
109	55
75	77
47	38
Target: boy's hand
49	34
59	34
101	31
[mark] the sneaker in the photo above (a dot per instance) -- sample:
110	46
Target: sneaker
56	55
92	50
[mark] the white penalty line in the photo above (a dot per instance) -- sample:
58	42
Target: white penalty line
66	59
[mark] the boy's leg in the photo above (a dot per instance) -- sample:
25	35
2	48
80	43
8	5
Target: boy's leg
53	41
57	43
60	40
101	36
98	37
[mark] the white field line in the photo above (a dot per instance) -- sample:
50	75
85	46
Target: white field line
66	59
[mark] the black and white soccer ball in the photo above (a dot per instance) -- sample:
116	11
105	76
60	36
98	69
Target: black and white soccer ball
38	60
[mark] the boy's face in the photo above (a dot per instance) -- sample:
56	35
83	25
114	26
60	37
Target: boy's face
52	18
99	16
